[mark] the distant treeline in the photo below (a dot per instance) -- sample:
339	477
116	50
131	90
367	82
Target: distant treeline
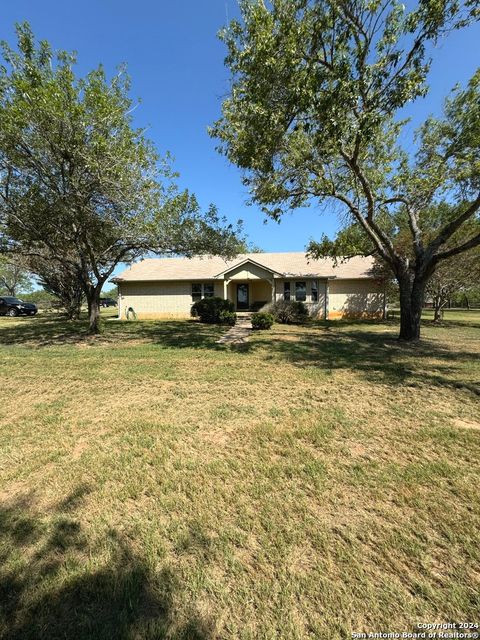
45	300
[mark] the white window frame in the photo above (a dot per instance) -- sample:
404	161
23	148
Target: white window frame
202	286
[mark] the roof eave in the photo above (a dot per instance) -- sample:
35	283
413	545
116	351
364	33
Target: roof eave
247	261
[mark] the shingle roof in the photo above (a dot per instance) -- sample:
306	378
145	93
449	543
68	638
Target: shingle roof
208	267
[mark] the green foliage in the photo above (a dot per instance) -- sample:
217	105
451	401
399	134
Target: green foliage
41	298
14	275
313	115
287	311
213	310
350	241
467	297
454	277
110	293
60	281
228	317
84	188
262	320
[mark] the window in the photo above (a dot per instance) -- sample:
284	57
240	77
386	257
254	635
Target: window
314	291
208	290
300	291
286	291
200	291
196	292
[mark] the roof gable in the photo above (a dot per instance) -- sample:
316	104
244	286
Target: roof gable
244	263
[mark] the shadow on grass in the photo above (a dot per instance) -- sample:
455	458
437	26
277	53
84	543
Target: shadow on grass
53	586
48	331
379	356
450	323
339	344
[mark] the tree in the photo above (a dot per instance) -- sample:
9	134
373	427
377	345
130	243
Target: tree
451	275
111	293
451	278
79	186
14	276
60	282
313	115
467	297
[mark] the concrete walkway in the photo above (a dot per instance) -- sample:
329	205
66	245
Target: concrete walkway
240	332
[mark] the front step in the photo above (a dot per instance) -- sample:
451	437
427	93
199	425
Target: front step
240	332
244	318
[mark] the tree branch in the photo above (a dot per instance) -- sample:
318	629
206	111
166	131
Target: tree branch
450	229
470	244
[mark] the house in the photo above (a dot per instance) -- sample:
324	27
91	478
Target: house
167	287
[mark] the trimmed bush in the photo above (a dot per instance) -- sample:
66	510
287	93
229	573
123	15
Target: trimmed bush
209	310
228	317
287	311
262	320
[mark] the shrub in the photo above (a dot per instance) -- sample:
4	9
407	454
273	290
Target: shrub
210	309
262	320
256	306
228	317
287	311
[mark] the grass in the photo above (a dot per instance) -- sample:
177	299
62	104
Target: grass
459	315
469	316
314	482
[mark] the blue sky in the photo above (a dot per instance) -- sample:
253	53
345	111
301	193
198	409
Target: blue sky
176	64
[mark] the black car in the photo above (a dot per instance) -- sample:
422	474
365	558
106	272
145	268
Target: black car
10	306
108	302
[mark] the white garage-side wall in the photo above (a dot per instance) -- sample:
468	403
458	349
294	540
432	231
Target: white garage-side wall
158	300
355	299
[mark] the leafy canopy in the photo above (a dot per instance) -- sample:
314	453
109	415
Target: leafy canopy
14	275
313	115
313	108
79	184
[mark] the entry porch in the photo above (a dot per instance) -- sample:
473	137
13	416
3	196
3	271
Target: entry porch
248	285
249	295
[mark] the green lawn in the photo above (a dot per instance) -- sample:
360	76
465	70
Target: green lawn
313	482
459	315
450	315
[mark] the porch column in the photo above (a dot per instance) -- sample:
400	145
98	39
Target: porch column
326	300
272	283
225	287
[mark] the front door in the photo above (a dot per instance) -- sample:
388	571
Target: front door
242	296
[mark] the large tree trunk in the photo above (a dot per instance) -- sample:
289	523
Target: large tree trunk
412	292
93	301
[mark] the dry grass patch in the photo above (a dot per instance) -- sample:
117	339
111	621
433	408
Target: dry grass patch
312	482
